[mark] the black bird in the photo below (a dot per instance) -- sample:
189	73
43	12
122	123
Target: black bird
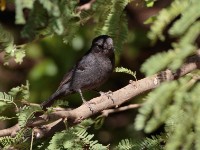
91	71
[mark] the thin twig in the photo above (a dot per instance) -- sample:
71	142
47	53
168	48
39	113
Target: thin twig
86	6
31	147
106	112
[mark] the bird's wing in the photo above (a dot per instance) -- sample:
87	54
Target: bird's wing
67	78
80	66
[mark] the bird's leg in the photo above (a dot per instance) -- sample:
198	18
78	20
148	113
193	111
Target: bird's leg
84	101
108	94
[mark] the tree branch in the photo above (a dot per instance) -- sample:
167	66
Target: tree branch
106	112
103	102
12	131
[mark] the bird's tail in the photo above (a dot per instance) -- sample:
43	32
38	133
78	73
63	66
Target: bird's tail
50	101
58	94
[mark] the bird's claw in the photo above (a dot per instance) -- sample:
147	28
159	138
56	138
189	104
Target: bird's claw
108	95
88	104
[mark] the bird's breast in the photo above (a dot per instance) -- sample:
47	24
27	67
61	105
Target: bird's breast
94	75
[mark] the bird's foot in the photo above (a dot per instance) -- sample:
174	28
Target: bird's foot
89	105
108	95
84	101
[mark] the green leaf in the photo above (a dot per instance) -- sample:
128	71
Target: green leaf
5	101
188	17
125	144
65	139
114	21
26	113
125	70
150	20
150	3
164	18
20	54
155	104
20	5
20	92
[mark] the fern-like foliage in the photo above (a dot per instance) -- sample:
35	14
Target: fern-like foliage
185	121
153	143
173	104
8	100
5	101
125	144
71	20
172	59
37	22
61	102
21	92
125	70
20	141
86	140
110	19
165	17
189	32
26	113
191	35
155	103
54	17
59	17
115	23
75	138
7	45
64	139
6	39
20	5
188	16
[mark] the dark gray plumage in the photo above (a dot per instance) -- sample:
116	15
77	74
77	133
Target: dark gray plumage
90	72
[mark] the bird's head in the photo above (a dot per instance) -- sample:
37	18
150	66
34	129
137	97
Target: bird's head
103	44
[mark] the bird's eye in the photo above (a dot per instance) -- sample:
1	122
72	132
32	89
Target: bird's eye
99	46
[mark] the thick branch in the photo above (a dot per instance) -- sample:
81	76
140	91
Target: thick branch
109	111
120	96
103	102
12	131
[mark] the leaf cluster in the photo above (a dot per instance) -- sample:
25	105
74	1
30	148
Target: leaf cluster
55	18
174	104
23	113
76	138
19	141
185	29
152	143
62	18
